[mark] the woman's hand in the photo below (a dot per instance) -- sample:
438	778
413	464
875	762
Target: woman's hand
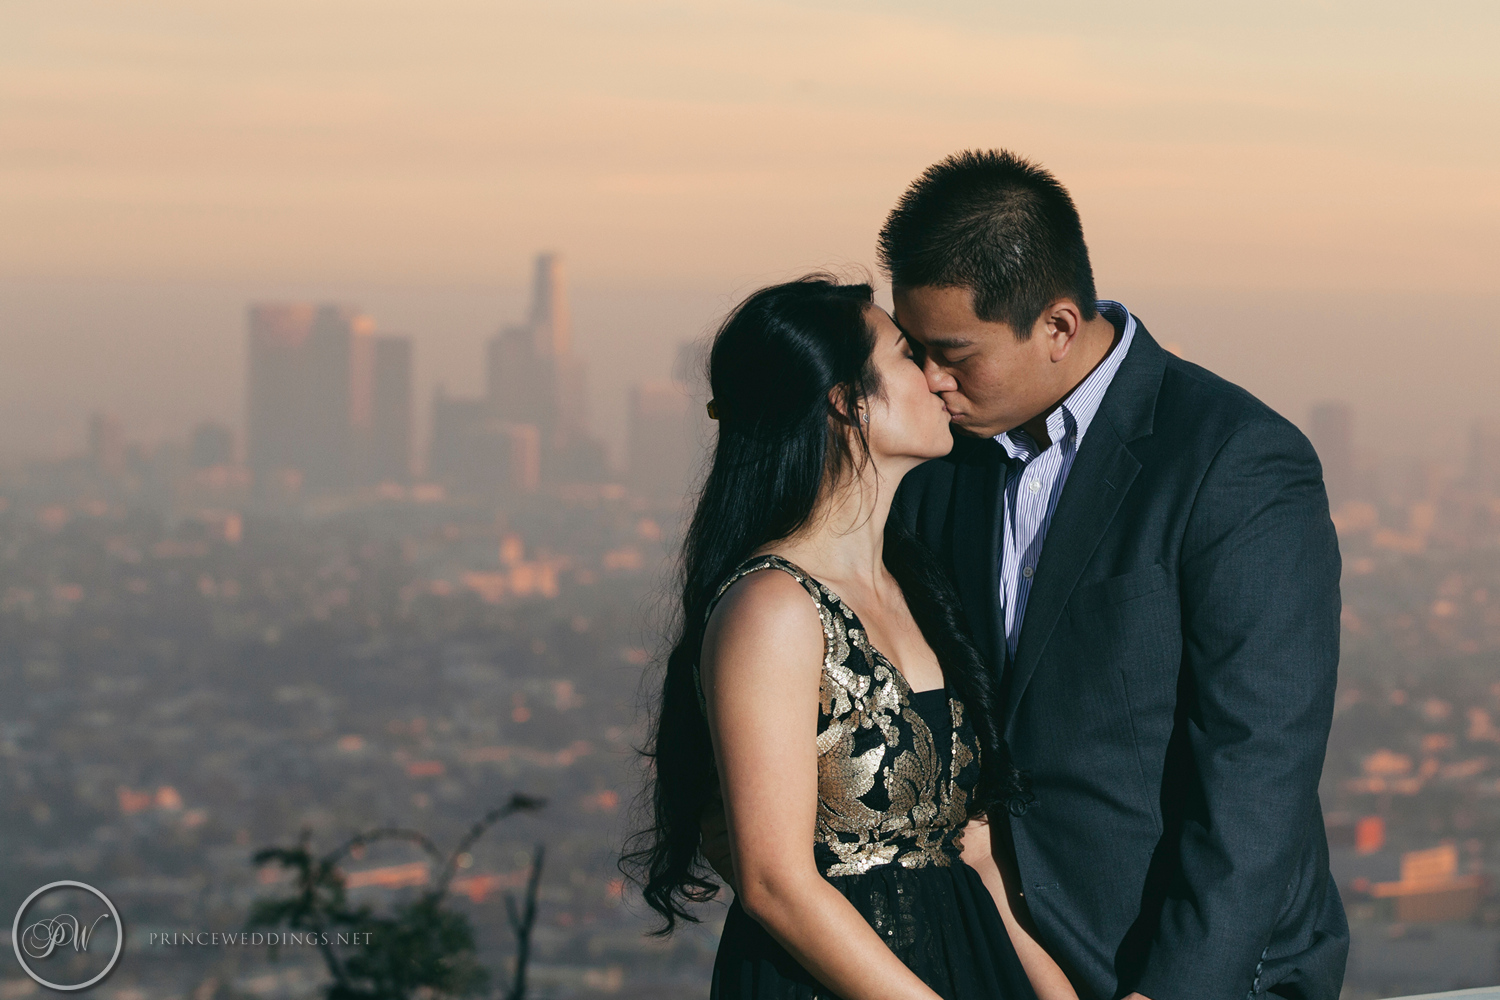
713	827
989	852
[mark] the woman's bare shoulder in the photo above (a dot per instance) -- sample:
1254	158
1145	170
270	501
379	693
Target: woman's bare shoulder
768	612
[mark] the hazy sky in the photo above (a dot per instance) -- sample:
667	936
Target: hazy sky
154	151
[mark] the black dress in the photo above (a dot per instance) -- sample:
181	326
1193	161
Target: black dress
895	771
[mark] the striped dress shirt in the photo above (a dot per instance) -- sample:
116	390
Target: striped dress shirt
1036	477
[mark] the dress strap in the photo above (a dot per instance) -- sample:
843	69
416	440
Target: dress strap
752	565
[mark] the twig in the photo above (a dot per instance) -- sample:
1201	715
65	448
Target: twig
522	921
517	803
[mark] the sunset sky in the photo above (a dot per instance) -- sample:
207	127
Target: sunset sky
1312	152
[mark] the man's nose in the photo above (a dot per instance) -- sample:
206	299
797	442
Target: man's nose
938	380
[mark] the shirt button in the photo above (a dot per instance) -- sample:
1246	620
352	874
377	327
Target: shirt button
1027	572
1034	485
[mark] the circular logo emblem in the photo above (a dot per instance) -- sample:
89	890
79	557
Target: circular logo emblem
63	938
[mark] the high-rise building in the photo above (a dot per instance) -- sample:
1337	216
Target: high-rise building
107	443
452	421
475	450
1484	456
211	444
340	403
552	332
1331	429
391	411
277	386
664	450
533	375
317	392
521	383
534	378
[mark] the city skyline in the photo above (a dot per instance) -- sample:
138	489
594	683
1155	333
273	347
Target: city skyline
1298	195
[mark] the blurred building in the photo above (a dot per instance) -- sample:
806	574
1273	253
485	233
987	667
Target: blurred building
210	444
1484	456
1331	430
391	417
663	444
327	401
1431	889
533	376
475	450
107	444
533	380
669	432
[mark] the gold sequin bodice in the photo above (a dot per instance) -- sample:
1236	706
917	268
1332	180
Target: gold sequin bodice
893	781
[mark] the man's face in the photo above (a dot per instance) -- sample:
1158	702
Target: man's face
989	381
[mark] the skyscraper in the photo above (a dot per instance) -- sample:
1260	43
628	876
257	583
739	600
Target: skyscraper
1331	429
533	377
1484	456
521	381
552	334
391	412
324	398
475	450
277	386
669	433
107	443
664	450
211	444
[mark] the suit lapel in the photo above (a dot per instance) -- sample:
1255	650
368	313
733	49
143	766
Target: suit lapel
1097	483
976	536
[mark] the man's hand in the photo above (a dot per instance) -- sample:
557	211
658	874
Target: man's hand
714	828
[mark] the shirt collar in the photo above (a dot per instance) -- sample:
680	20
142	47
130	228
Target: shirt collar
1073	417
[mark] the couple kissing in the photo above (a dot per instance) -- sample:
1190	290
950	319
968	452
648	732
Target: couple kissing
1007	642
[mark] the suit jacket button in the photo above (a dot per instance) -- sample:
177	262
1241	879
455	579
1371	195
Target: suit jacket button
1017	805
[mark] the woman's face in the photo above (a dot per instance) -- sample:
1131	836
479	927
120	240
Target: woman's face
909	421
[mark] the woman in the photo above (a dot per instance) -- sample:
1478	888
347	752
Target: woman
822	694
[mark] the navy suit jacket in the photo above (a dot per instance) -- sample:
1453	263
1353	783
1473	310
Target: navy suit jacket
1172	690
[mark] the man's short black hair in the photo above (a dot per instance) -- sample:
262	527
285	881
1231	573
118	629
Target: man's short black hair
994	223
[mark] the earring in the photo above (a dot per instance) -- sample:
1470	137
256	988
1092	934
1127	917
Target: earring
864	418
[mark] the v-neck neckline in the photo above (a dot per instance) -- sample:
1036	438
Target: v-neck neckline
854	617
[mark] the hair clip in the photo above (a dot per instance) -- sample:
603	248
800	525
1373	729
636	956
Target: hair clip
713	410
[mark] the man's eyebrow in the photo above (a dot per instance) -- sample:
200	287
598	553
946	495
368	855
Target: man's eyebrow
941	343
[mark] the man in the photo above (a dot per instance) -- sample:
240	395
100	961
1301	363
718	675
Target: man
1144	551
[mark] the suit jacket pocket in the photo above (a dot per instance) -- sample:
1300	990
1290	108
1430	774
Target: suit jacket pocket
1118	589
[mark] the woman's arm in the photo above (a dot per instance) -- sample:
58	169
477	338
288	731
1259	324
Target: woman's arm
993	860
762	662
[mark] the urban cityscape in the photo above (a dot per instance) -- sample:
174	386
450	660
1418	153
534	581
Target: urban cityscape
215	643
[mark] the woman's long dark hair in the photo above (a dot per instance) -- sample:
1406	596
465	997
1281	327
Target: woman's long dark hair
778	363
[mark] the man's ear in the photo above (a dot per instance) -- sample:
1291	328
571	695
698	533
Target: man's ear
1060	324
